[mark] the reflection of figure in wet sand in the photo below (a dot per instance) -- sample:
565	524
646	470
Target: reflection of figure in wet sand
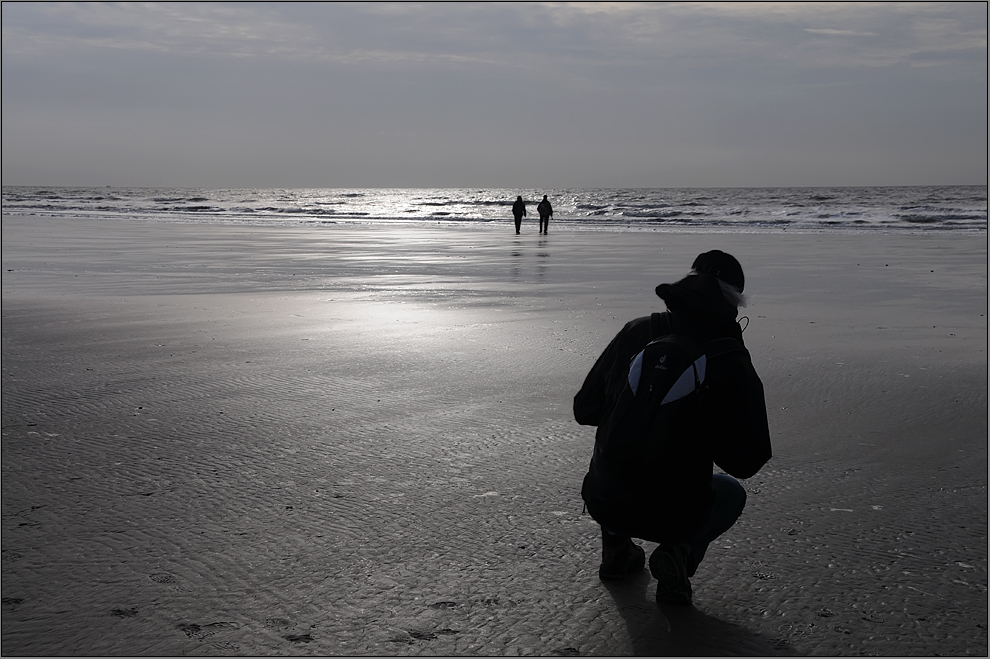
546	212
518	211
651	474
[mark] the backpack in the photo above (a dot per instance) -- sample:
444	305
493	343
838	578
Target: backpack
664	378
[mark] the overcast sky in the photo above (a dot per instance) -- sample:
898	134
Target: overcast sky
493	95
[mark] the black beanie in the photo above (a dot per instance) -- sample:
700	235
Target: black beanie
722	265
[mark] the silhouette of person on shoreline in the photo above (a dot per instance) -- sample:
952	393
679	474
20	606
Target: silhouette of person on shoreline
651	474
546	212
519	211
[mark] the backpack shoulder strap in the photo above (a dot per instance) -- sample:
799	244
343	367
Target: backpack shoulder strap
722	346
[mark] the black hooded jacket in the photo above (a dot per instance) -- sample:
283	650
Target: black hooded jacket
727	426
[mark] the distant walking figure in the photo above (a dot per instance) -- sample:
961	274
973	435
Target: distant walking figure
546	212
519	211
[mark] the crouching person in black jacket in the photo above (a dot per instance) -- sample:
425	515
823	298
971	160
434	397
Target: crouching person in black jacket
670	495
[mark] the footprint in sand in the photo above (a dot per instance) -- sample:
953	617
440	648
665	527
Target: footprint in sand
780	643
416	635
443	605
166	578
10	556
226	645
192	631
202	631
124	613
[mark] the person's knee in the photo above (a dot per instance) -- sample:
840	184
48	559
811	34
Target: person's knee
730	492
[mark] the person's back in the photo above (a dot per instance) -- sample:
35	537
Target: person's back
546	212
673	500
518	211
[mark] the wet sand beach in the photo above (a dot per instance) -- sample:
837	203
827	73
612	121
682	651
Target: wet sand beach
354	440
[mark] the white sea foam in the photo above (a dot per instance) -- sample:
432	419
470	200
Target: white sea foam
921	208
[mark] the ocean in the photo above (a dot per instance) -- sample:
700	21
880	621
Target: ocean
817	209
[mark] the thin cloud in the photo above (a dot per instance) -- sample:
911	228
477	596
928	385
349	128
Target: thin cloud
485	33
176	28
839	33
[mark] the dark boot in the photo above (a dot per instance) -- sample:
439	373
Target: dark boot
620	556
668	564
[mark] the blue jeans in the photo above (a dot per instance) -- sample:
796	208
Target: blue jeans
730	499
727	506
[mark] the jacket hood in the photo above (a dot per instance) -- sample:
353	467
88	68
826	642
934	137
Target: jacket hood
699	296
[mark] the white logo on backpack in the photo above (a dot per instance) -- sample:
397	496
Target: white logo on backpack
692	378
